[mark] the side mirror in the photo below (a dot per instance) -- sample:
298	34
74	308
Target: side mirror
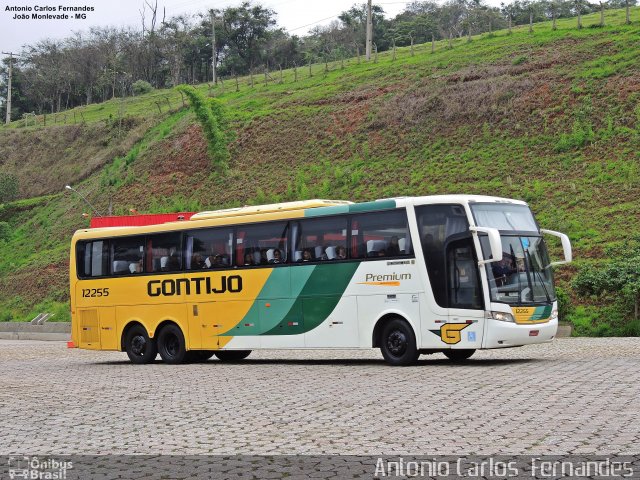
566	247
494	242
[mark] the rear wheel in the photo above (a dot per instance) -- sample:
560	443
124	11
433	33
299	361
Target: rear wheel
140	348
399	343
171	344
459	355
232	355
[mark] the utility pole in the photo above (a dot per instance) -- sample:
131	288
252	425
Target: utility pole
8	120
369	30
213	46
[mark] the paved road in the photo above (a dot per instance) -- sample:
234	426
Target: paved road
572	396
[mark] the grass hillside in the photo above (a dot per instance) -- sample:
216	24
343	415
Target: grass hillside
551	117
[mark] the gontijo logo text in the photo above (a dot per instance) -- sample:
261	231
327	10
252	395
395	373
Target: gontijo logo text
199	285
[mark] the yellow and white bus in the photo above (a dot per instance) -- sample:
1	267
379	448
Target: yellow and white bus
410	276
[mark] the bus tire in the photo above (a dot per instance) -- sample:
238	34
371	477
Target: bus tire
232	355
196	356
398	343
139	347
459	355
171	344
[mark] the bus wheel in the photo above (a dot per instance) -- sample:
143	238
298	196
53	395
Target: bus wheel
399	343
232	355
140	348
171	344
199	355
458	355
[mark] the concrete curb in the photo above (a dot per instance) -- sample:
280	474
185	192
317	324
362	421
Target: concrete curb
56	331
564	330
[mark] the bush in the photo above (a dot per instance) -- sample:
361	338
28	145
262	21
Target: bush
211	115
141	86
8	187
5	231
565	308
619	278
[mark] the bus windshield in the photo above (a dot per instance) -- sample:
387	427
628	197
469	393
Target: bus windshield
524	274
504	217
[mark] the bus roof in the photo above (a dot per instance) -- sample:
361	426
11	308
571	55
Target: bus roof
274	207
288	210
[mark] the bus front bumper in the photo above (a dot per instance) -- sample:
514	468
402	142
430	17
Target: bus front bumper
506	334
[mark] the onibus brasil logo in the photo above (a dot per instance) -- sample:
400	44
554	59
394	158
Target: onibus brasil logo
38	468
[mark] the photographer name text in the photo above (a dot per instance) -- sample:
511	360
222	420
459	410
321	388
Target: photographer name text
49	12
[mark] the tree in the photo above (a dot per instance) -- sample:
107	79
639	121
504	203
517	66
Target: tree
246	29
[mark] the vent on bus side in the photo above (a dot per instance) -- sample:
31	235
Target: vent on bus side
89	331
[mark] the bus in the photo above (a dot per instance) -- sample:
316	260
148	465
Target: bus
444	274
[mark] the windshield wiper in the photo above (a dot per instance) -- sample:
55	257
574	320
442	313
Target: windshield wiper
546	292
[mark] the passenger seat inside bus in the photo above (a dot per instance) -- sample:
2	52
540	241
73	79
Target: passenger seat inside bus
374	246
330	252
120	267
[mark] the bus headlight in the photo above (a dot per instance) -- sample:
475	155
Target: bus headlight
502	316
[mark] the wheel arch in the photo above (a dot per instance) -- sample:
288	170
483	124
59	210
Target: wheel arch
385	317
128	326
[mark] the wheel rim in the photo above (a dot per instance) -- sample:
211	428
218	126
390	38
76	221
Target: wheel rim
172	345
138	345
397	343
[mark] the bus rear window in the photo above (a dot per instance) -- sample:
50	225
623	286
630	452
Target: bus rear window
93	259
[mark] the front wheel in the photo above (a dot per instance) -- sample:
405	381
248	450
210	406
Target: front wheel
139	347
459	355
399	343
232	355
171	344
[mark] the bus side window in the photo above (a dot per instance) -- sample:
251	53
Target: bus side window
92	258
209	248
258	244
381	234
164	252
322	239
127	255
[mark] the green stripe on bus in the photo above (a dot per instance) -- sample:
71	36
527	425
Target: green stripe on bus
322	211
319	297
541	313
354	208
372	206
271	294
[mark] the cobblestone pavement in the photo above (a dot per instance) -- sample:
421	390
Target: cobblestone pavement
574	396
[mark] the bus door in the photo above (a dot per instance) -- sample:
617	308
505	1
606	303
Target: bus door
465	321
456	315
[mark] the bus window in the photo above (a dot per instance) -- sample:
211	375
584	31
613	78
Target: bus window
262	244
437	224
126	255
320	239
383	234
463	275
93	259
163	253
209	248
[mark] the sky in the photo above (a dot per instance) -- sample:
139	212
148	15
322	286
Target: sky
296	16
